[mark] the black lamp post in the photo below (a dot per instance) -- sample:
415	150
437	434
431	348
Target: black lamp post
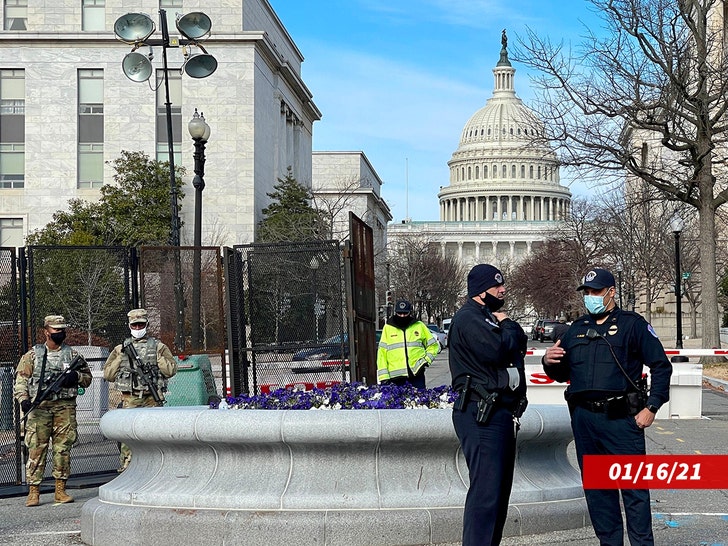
200	133
676	225
619	282
136	29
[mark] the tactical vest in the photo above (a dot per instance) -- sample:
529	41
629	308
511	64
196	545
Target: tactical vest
56	362
129	382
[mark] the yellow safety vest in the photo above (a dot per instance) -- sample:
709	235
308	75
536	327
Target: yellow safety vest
415	348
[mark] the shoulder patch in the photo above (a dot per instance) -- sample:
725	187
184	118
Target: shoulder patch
651	330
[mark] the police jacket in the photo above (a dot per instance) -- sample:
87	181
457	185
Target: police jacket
415	347
484	349
594	370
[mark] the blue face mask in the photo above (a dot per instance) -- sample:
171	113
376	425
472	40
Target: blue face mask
595	304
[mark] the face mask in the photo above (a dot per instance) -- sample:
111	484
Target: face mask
58	337
138	334
493	303
595	305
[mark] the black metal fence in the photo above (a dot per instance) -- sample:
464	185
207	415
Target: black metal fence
283	323
288	323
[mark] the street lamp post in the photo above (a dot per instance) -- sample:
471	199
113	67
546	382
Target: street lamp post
200	133
676	224
619	282
136	29
314	263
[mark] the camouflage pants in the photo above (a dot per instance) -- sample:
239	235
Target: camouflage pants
56	423
129	401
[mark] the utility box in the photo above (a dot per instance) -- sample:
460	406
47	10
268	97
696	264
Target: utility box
193	384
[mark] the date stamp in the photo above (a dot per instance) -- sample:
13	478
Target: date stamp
655	472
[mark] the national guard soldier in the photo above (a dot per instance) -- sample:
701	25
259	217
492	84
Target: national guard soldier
602	356
46	385
140	366
487	356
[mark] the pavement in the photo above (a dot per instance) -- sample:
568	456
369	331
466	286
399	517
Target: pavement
682	517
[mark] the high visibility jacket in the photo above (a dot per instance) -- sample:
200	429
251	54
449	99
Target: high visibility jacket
413	348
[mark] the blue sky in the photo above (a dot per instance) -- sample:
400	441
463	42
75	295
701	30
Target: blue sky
399	79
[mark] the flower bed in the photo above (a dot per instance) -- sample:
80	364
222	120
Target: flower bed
343	396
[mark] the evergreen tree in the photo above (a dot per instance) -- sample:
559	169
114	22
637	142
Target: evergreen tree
290	216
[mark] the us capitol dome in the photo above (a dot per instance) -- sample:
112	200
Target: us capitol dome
504	195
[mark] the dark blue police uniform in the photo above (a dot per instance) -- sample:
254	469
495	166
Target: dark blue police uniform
602	416
483	350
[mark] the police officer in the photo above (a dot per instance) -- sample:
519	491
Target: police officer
54	419
119	368
406	348
602	355
487	351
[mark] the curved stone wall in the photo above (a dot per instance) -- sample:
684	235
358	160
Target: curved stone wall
380	477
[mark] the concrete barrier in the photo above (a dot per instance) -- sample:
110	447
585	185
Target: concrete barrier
349	477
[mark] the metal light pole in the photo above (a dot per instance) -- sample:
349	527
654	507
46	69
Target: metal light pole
316	306
200	133
619	282
676	224
136	29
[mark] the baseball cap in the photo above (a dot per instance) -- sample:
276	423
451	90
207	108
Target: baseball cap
597	279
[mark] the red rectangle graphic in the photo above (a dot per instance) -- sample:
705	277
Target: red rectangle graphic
655	472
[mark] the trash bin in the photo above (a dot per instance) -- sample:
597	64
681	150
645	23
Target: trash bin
193	384
6	397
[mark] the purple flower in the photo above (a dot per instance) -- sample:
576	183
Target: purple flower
347	396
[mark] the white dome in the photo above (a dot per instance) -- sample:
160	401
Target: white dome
502	168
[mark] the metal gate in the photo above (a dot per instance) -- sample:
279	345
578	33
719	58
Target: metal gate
287	319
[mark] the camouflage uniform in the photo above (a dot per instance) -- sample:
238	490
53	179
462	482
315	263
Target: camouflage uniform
55	418
118	369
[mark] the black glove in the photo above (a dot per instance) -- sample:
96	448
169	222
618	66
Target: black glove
71	379
25	405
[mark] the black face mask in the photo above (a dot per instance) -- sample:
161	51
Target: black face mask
493	303
58	337
401	322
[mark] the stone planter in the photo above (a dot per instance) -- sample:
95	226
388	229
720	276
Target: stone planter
348	477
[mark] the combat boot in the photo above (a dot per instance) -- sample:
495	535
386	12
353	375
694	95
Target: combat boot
61	495
33	496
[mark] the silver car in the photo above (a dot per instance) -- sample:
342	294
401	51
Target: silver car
439	334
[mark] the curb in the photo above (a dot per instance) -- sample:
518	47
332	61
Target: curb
716	383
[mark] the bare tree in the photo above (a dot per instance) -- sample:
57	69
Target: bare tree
647	97
420	273
638	239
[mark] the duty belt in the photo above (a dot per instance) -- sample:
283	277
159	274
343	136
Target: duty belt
604	406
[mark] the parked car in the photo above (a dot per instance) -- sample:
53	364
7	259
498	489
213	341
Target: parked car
330	349
446	325
547	330
536	331
439	334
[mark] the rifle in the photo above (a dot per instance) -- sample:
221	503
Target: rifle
144	371
55	386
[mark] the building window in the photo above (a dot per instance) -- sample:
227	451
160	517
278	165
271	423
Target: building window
513	171
171	8
175	98
11	232
523	171
90	128
12	128
530	172
16	15
94	15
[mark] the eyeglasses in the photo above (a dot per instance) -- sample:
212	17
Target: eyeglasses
138	325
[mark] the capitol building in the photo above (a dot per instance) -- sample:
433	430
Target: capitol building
504	195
